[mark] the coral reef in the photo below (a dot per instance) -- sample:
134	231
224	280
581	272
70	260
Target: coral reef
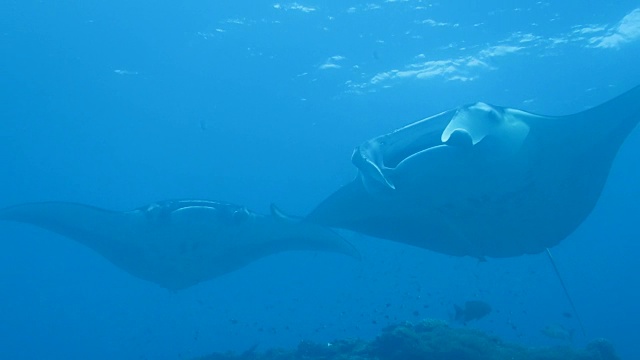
426	340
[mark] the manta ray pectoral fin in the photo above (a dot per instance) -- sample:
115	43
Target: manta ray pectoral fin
82	223
113	235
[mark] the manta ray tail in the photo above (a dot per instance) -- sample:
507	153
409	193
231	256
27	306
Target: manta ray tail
566	292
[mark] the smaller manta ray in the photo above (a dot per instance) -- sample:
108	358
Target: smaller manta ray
483	180
177	244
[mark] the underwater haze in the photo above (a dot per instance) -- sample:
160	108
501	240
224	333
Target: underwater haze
119	104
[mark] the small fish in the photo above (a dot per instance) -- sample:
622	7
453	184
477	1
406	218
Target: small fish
473	310
558	332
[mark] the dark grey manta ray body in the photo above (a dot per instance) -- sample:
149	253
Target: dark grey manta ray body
177	244
483	180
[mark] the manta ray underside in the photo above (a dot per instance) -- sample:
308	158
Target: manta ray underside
483	180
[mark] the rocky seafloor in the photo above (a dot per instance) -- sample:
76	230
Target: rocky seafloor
426	340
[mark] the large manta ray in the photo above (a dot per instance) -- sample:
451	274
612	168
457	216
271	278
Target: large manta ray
483	180
177	244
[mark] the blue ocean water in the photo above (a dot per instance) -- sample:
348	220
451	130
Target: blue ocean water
119	104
